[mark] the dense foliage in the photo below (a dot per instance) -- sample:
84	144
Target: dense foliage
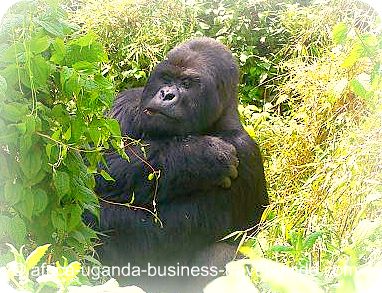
53	97
310	93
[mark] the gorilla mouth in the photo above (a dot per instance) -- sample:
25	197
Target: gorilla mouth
154	112
149	112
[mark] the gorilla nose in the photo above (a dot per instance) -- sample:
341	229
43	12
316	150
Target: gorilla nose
167	96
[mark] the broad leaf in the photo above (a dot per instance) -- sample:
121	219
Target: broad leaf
3	87
40	200
26	204
13	192
58	220
30	162
61	181
39	45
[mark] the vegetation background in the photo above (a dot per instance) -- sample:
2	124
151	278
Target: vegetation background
310	95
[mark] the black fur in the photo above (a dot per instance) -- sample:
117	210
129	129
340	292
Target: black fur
212	179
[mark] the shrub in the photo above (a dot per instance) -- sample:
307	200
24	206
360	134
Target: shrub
52	100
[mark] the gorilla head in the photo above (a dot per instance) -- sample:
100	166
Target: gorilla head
190	90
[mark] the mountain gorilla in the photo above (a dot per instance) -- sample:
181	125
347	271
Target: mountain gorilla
211	173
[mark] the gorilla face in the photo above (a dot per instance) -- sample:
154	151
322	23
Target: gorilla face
177	101
183	94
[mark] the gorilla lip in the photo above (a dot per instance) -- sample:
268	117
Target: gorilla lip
149	112
152	112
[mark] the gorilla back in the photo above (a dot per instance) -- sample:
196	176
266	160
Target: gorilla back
211	173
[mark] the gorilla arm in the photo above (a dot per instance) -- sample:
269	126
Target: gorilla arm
195	163
187	164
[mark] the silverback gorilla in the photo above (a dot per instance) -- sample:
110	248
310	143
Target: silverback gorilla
211	181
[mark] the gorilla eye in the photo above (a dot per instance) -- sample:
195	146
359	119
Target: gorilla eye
167	79
186	83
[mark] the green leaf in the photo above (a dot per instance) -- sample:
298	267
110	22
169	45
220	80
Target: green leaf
5	171
38	178
18	232
86	67
14	52
78	128
92	53
40	201
10	136
25	206
356	52
48	149
113	126
61	115
311	239
31	162
3	87
93	209
11	75
69	81
39	45
282	248
340	31
78	237
5	224
13	112
21	127
30	123
25	143
54	28
151	176
36	255
13	193
68	133
85	40
75	164
61	181
83	193
106	89
106	176
40	72
358	88
95	133
58	220
59	51
74	218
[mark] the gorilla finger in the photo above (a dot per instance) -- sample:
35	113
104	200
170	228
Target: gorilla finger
236	163
225	182
233	173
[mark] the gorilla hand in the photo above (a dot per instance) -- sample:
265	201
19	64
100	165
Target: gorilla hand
224	161
196	162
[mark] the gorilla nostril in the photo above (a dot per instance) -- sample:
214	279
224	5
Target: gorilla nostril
168	97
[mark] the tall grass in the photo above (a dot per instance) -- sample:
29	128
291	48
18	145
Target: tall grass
137	34
323	161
